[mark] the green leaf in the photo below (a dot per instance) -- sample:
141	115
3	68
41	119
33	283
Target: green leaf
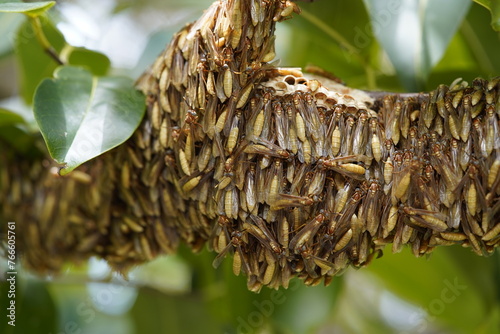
14	131
472	53
34	64
94	61
82	116
485	3
32	9
494	8
8	27
415	34
20	140
323	35
8	117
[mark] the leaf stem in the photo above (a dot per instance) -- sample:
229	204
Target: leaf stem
336	36
370	77
476	47
42	39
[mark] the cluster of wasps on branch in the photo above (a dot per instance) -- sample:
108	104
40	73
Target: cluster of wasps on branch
292	174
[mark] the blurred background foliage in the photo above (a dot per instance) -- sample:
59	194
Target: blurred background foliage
405	45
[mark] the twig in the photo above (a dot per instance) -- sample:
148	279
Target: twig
44	42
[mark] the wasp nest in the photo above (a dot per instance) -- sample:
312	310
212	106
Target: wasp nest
292	174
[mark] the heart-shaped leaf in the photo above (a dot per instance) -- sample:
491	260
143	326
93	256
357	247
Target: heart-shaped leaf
32	9
82	116
415	34
96	62
494	7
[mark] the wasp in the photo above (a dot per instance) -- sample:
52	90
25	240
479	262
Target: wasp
261	232
405	166
256	14
283	201
289	7
232	140
376	146
230	173
267	148
307	233
311	261
220	233
393	128
371	205
472	189
389	220
360	138
347	133
425	218
231	202
344	167
235	243
273	182
281	124
249	189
